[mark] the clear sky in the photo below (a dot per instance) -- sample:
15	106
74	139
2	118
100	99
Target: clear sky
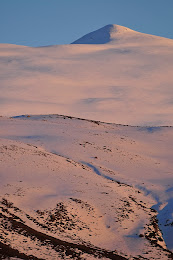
48	22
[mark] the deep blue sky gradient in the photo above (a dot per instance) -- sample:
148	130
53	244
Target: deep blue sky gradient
48	22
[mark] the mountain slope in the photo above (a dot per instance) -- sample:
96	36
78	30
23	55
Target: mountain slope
128	80
78	189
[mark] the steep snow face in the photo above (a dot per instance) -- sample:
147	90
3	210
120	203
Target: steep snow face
106	34
128	80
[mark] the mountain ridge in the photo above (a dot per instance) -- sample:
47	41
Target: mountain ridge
110	33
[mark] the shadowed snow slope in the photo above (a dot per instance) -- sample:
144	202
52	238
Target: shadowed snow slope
128	80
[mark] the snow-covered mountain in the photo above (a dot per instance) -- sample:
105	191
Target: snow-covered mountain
128	80
86	172
82	189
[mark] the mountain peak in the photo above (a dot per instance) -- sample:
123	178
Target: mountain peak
103	35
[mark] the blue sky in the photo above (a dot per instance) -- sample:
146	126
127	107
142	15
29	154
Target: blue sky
47	22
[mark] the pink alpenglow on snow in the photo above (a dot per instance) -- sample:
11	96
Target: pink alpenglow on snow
86	137
71	182
122	77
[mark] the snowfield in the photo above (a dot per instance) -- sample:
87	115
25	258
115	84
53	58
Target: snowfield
127	80
86	158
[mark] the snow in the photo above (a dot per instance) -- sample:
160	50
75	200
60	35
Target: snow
104	35
105	168
127	80
86	172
